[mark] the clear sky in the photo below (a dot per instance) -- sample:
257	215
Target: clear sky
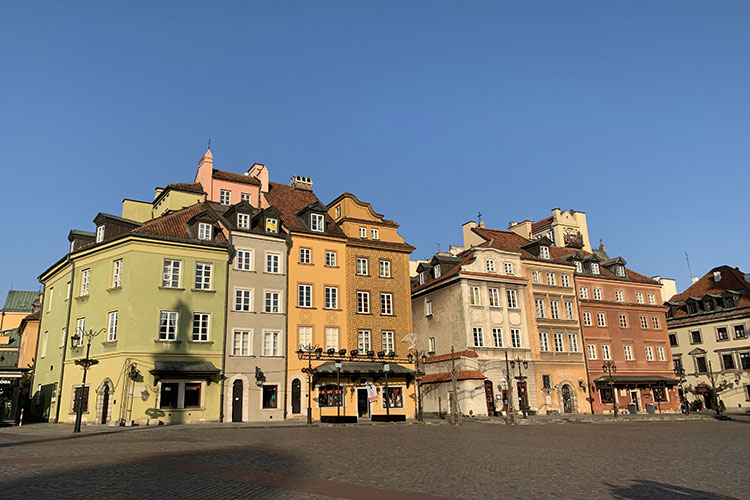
636	113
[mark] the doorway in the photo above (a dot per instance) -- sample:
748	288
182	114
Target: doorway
567	398
490	395
105	405
237	401
363	404
296	396
634	399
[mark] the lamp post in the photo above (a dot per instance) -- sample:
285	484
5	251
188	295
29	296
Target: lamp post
522	396
680	373
609	368
85	363
308	352
416	358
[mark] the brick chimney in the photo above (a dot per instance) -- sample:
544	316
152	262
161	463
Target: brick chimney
301	182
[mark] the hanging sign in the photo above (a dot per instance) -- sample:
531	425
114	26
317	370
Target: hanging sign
372	392
386	367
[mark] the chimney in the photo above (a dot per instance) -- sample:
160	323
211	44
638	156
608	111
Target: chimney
301	182
694	279
717	276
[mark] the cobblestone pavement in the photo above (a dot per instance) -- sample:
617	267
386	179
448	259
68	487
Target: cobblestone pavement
636	460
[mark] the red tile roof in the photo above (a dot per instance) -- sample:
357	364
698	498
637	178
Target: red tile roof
731	279
174	224
541	223
231	176
289	200
456	355
433	378
445	274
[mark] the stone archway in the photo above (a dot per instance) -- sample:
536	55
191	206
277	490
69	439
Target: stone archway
568	398
245	404
104	401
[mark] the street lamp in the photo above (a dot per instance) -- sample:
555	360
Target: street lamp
416	358
609	368
77	341
522	395
308	352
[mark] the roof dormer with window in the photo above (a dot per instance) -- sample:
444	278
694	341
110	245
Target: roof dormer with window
539	248
110	226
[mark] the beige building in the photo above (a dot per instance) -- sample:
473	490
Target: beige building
564	228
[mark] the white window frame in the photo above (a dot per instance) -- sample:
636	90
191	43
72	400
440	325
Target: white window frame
272	225
431	344
494	294
205	280
592	351
544	252
559	342
597	294
655	323
476	296
644	322
243	300
551	279
649	353
305	333
331	337
579	267
273	263
305	255
317	223
584	292
363	302
623	320
601	320
428	308
246	197
512	297
386	304
536	277
606	353
362	266
628	352
573	341
364	341
244	259
619	296
275	348
651	298
539	307
85	282
117	273
375	234
363	232
595	268
388	341
331	296
569	313
385	268
660	353
543	341
304	295
436	271
587	319
331	258
171	269
509	268
225	197
112	320
639	297
272	302
497	337
172	319
204	231
554	309
565	280
201	334
100	233
241	342
478	333
243	221
515	338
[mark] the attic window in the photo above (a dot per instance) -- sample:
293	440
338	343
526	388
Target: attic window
594	268
317	223
338	211
544	252
363	232
100	234
272	225
422	278
579	266
204	231
375	234
437	271
620	271
224	196
243	221
490	266
717	274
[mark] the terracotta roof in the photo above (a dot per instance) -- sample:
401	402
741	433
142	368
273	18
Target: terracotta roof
456	355
192	187
231	176
731	279
445	273
541	223
289	200
433	378
174	224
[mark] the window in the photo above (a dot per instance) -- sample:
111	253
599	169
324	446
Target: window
225	196
375	234
597	294
605	352
386	304
478	337
554	309
112	326
497	337
174	395
243	221
329	396
388	344
639	297
63	337
331	297
644	323
708	305
655	322
332	338
394	398
305	255
515	337
651	298
317	223
244	260
544	252
673	339
607	395
649	353
81	397
85	277
587	319
623	320
68	291
739	332
99	234
363	341
512	299
204	231
546	382
171	275
568	310
579	266
363	302
660	353
476	298
304	336
422	277
270	397
594	268
363	232
539	304
246	197
203	276
273	302
494	297
338	211
385	268
721	333
270	343
330	258
49	296
543	342
628	353
536	277
700	364
573	340
273	261
490	266
745	360
240	343
362	265
167	325
200	327
116	274
272	225
600	319
428	308
584	292
565	278
509	268
436	271
304	296
695	336
592	351
618	295
620	271
431	343
551	280
559	347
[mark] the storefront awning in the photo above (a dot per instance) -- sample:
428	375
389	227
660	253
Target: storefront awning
361	369
636	380
184	369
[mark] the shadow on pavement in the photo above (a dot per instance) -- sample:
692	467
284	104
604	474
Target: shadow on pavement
648	490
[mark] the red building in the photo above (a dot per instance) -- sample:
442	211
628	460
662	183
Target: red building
623	323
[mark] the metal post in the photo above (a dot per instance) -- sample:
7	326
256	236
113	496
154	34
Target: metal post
79	409
309	388
510	417
522	397
385	396
338	388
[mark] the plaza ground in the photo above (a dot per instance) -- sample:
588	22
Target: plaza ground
693	459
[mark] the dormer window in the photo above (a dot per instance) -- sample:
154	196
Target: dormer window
490	266
594	268
509	268
338	211
243	221
579	266
204	231
363	232
436	271
375	234
100	234
317	223
620	271
224	197
272	225
544	252
72	246
422	278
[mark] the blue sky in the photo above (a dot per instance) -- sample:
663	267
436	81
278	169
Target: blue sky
635	112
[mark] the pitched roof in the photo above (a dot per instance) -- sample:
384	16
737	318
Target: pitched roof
541	223
174	224
231	176
20	301
447	269
447	357
290	200
731	279
433	378
192	187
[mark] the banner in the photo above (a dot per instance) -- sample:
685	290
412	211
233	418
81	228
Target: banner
372	392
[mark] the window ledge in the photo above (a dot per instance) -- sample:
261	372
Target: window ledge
171	288
201	408
202	290
240	356
333	267
82	297
159	341
109	343
200	342
245	270
244	312
332	309
306	308
115	289
273	274
305	263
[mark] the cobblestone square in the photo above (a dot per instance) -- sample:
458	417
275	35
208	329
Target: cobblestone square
635	460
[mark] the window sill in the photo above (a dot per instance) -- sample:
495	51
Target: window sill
245	270
333	267
171	288
205	290
109	343
273	274
386	277
159	341
208	342
305	263
198	408
332	309
82	297
114	289
272	356
245	312
240	356
365	314
272	313
363	275
307	308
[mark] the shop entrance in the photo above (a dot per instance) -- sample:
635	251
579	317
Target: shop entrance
237	401
296	396
363	405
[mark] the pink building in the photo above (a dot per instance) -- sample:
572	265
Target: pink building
229	188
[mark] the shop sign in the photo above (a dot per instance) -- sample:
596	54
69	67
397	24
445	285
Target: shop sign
372	392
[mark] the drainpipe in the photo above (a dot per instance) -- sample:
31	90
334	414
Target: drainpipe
65	340
286	328
224	339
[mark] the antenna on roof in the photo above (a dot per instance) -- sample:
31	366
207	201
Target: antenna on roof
479	217
438	246
209	143
690	272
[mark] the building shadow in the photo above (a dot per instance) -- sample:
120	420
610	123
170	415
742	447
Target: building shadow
648	490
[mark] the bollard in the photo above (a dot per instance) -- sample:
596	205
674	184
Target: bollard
20	421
